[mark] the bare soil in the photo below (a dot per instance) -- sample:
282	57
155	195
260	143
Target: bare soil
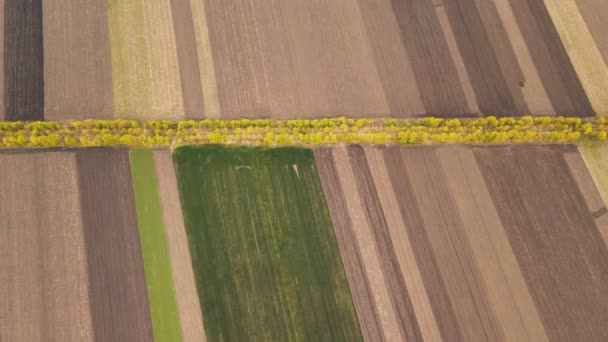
77	64
44	282
118	297
555	239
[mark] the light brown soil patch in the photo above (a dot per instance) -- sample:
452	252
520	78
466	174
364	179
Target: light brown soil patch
43	271
595	13
584	180
77	60
403	248
349	248
533	89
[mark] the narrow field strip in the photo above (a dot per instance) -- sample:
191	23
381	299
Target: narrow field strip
44	279
211	101
145	67
265	256
596	159
164	133
159	280
582	50
177	240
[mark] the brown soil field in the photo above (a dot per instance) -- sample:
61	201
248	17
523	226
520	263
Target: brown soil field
71	267
487	243
293	59
185	42
23	46
118	297
181	263
44	282
77	65
554	236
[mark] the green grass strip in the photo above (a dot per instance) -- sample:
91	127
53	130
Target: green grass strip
163	306
265	256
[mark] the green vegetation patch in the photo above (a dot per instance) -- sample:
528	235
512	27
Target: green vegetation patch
265	255
163	307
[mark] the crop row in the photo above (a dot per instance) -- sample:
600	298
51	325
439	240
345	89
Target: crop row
488	130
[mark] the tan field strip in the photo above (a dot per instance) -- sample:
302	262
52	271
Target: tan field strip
145	69
407	259
181	264
584	180
584	54
187	57
596	160
595	13
469	93
43	272
534	91
360	286
393	63
477	262
448	244
592	196
77	60
504	284
365	240
211	100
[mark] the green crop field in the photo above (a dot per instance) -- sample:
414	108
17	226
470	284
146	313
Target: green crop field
163	307
265	256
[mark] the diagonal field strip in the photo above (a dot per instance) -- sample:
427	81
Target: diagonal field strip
596	159
206	68
582	50
163	307
265	256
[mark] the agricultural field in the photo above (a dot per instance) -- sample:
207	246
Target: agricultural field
265	257
292	170
470	243
93	247
71	256
195	59
351	242
596	158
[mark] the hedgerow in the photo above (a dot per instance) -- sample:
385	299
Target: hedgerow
158	133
